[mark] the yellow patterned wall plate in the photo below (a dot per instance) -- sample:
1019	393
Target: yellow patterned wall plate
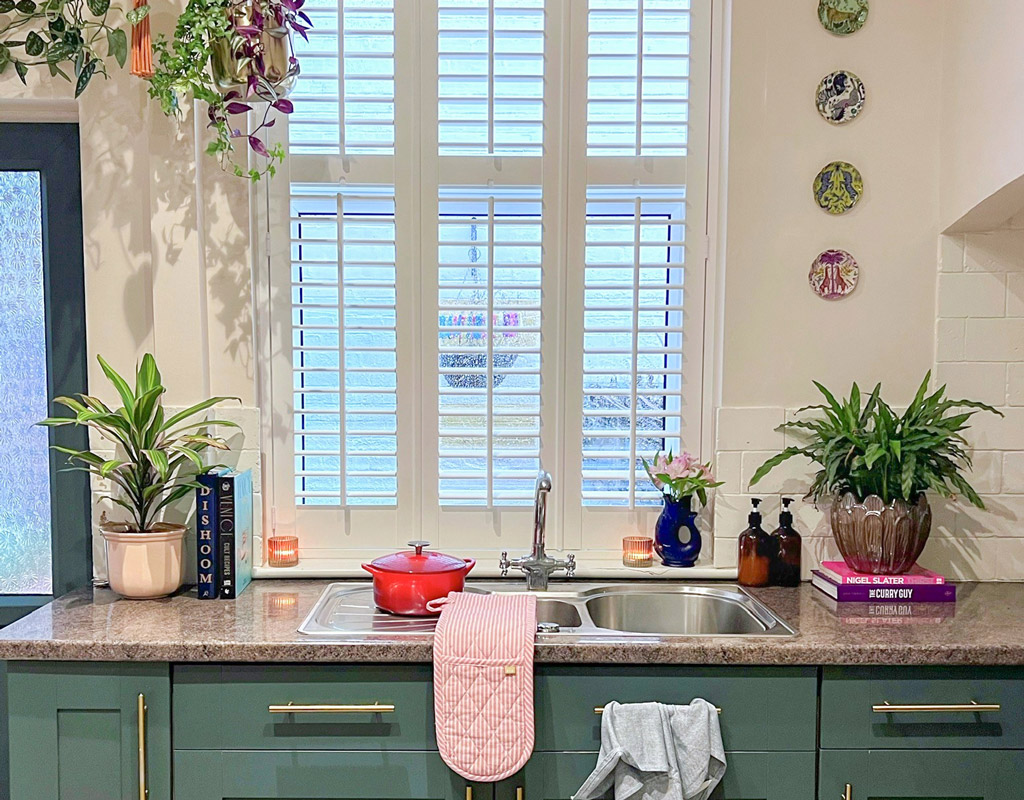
838	187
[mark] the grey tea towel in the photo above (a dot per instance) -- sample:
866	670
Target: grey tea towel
653	751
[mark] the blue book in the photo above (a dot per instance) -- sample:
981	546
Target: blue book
206	537
235	534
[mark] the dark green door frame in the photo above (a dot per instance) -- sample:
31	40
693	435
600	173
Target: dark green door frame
52	149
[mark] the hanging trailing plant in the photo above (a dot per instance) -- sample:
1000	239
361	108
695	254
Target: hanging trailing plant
71	38
235	56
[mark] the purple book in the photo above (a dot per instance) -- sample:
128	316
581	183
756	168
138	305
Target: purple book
941	593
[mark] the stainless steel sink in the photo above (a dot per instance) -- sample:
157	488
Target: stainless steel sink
588	610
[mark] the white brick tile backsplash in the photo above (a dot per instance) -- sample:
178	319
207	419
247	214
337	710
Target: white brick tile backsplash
726	553
731	511
951	253
991	432
987	472
961	558
1013	476
1015	294
994	251
1015	384
1010	559
977	381
749	428
950	335
727	469
979	294
994	340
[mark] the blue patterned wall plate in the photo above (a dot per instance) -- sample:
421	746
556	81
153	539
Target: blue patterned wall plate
842	17
840	97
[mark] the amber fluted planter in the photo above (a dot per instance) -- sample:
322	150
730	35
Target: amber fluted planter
877	538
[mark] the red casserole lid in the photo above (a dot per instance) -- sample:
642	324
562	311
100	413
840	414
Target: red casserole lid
418	562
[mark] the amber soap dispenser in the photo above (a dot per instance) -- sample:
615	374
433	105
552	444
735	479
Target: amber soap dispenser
786	551
756	546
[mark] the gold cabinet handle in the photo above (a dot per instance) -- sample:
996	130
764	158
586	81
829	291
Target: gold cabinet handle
848	794
600	710
519	793
143	791
469	793
972	707
296	708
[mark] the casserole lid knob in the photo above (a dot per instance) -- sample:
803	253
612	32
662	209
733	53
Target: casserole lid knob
419	561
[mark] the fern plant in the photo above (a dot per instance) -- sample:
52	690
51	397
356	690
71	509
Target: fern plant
870	449
158	456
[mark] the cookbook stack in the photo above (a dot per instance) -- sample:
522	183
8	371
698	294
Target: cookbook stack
918	595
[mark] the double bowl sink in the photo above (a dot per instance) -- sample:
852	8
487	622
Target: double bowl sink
605	610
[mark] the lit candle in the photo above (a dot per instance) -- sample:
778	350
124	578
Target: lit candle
637	551
283	551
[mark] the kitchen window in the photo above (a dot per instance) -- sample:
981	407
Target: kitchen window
486	253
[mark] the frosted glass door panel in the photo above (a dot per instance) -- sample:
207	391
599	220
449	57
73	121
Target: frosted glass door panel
25	555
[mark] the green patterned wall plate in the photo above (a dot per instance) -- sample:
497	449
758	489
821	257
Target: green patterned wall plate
838	187
842	17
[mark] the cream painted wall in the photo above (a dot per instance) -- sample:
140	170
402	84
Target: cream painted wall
153	284
982	148
777	334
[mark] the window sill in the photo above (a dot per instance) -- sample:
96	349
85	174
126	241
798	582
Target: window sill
593	568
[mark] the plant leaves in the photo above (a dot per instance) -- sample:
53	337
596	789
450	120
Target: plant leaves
193	410
25	6
98	7
34	44
123	389
117	45
136	15
22	71
6	6
85	76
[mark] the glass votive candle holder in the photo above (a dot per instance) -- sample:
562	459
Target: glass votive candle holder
637	551
283	551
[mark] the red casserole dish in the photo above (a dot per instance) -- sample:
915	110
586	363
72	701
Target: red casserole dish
403	583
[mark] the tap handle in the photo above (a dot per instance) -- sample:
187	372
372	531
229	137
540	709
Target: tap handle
570	565
504	563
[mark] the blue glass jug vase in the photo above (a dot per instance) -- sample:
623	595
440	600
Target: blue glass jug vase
677	517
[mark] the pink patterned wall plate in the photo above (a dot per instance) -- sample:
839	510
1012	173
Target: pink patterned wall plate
834	274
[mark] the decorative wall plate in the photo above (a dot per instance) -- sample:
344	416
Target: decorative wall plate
842	17
833	274
838	187
840	97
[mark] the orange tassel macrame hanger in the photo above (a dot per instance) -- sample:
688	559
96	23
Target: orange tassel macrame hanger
142	46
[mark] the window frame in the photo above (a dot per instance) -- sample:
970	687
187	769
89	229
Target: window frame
564	181
52	149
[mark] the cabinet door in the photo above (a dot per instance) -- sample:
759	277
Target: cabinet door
319	775
748	776
75	733
922	774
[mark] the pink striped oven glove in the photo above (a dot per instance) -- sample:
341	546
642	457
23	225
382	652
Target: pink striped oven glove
483	682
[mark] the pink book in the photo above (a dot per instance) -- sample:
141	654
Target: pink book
839	572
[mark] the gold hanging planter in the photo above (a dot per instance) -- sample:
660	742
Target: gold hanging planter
280	69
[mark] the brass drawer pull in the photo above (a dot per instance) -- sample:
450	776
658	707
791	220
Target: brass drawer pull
143	791
600	709
295	708
848	794
972	707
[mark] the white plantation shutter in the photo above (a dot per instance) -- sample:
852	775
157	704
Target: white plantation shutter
632	339
344	345
357	100
494	262
489	329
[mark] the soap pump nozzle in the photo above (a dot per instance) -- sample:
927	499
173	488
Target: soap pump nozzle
754	518
786	516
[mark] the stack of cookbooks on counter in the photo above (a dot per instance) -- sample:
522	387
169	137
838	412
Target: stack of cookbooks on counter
917	596
224	534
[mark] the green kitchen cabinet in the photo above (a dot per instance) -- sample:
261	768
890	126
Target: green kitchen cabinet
748	776
89	731
921	774
319	775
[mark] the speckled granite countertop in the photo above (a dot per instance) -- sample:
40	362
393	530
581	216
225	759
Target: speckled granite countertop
987	628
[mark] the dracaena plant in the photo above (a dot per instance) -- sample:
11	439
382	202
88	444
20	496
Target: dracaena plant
865	447
157	456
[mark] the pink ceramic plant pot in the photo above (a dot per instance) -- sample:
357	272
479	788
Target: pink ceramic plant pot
143	566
